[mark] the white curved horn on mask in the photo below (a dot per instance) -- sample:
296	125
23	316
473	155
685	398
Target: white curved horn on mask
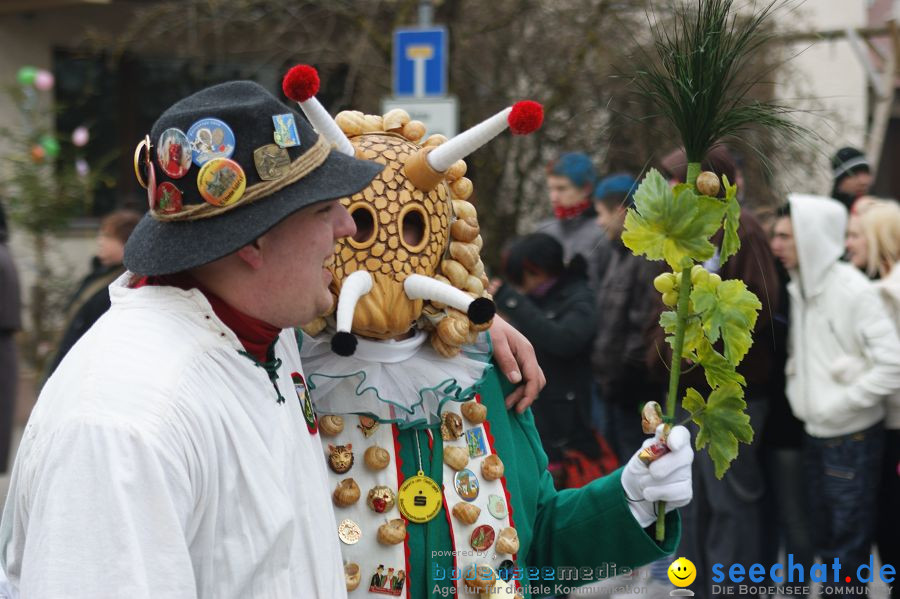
479	310
301	84
356	285
426	167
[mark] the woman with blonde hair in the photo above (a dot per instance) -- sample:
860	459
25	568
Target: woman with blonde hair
873	245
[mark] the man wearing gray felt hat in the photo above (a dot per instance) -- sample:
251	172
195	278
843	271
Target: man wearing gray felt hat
173	453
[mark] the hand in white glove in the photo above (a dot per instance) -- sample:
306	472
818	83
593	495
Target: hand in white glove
666	479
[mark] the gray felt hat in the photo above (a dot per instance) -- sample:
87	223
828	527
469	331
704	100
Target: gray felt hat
176	236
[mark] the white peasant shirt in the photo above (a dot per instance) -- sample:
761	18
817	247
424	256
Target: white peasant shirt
157	463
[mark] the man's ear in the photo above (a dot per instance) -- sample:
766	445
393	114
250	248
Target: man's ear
251	254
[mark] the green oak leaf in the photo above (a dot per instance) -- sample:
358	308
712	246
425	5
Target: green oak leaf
674	227
722	423
716	368
731	243
727	310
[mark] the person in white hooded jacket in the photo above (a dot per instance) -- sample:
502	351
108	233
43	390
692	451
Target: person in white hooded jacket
843	362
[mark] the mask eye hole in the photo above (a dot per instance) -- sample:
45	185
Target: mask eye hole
363	216
414	230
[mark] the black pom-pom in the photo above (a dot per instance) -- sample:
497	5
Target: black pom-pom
481	310
343	343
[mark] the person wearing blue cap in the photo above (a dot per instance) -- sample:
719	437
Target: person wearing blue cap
570	182
625	306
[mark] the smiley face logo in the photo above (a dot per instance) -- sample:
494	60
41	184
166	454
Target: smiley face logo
682	572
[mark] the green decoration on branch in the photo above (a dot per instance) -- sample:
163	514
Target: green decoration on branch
697	80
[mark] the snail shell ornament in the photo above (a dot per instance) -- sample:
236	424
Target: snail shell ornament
346	493
392	532
451	426
651	417
479	577
474	412
406	239
456	457
351	575
466	512
331	425
507	541
376	458
492	467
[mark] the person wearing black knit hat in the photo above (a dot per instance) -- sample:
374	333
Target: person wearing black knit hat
174	451
852	175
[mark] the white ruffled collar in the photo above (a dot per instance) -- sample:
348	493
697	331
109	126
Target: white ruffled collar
405	382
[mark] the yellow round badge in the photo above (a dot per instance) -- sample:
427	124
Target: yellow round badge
419	498
682	572
221	181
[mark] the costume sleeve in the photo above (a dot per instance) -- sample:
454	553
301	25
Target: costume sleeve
108	513
592	525
877	336
563	336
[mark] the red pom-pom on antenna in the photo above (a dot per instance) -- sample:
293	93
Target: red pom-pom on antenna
301	83
526	116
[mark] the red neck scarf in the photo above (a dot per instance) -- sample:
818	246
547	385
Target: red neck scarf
255	335
565	212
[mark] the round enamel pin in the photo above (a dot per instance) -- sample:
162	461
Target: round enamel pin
466	484
482	538
173	153
210	138
221	182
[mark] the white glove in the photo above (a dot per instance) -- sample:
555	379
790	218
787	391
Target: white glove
666	479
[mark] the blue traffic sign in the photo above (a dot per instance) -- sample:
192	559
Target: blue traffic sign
420	62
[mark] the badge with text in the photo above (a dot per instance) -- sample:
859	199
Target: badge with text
221	182
419	498
210	138
286	134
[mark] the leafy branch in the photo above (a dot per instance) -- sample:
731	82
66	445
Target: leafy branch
699	80
675	224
